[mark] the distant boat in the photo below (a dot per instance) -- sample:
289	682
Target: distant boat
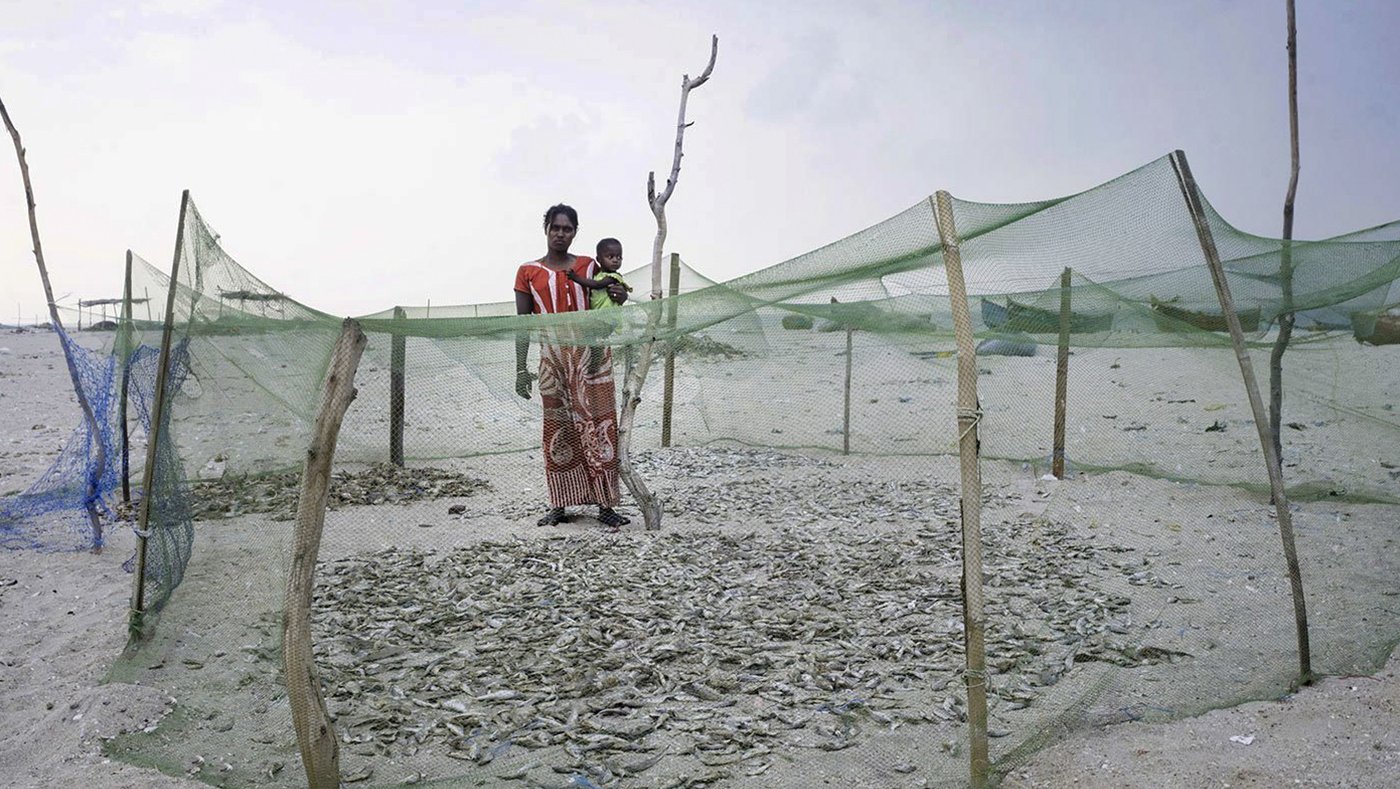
1383	329
1170	318
1015	316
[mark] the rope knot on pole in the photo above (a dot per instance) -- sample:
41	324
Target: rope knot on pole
969	418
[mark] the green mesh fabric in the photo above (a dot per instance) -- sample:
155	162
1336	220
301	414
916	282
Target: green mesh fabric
1149	584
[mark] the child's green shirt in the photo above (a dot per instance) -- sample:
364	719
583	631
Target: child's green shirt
599	299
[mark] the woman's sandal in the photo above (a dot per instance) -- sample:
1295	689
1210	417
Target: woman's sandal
554	517
612	519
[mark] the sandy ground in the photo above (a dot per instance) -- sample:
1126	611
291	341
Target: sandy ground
66	614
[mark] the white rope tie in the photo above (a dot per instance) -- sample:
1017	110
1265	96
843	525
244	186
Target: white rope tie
973	414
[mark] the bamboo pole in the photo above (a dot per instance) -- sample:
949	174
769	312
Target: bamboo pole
124	359
1280	498
93	480
669	383
1286	317
969	414
320	752
1062	378
396	391
136	622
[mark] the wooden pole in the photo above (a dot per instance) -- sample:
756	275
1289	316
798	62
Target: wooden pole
1061	378
668	389
320	752
846	402
969	414
1280	498
136	623
94	478
124	359
396	391
1286	316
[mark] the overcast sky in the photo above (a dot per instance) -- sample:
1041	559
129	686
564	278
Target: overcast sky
358	155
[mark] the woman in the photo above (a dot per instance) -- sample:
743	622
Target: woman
580	423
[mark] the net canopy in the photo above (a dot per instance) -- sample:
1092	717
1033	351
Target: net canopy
799	615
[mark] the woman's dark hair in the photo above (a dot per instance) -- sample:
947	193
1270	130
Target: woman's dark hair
566	210
608	242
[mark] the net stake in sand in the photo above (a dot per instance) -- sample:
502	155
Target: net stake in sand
1286	317
136	625
124	359
969	414
397	351
1256	405
668	396
1057	462
846	404
320	751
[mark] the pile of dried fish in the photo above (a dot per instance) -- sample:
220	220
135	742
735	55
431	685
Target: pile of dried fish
694	463
708	653
278	493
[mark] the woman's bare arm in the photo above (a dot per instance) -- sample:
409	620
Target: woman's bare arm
524	305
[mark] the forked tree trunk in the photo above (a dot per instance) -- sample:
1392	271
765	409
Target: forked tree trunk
90	497
637	376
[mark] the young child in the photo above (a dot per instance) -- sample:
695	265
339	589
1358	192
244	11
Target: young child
609	261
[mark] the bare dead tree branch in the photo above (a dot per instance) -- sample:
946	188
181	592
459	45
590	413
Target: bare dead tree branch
632	387
90	499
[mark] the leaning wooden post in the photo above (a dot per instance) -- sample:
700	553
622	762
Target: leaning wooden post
668	388
124	359
396	385
320	752
1057	463
92	492
135	623
1195	206
969	414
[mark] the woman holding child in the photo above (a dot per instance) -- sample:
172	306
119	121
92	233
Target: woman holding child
580	421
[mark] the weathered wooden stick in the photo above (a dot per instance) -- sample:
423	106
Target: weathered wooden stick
969	414
1280	498
320	751
90	499
1057	462
124	359
136	623
668	391
397	349
637	376
846	402
1286	317
846	411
